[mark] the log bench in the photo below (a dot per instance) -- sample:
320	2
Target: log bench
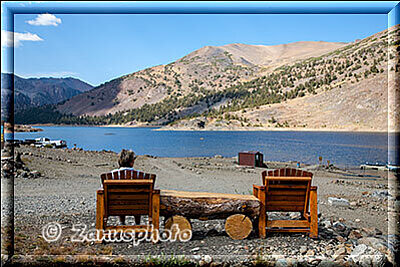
240	211
178	207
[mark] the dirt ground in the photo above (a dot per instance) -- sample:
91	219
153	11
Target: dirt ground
65	192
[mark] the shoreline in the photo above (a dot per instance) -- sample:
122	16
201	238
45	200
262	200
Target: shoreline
276	130
21	128
186	129
268	162
88	125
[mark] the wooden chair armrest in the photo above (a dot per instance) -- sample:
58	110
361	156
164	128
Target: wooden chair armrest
307	214
257	190
259	187
100	191
156	191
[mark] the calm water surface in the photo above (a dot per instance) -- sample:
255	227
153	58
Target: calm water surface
341	148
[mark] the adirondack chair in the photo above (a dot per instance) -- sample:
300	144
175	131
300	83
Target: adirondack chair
128	193
128	174
287	190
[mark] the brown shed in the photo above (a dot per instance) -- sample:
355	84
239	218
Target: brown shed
251	158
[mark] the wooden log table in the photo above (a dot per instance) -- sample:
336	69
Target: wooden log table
178	207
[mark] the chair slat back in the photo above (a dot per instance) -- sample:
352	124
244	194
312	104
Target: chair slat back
287	189
128	197
127	175
286	172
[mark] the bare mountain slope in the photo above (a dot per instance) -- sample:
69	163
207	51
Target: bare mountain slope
361	106
277	55
346	89
209	68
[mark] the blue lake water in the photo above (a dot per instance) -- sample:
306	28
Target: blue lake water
341	148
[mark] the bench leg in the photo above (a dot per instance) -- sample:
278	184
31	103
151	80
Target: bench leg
313	214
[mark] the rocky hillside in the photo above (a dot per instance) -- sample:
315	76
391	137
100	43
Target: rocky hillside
346	89
209	69
43	91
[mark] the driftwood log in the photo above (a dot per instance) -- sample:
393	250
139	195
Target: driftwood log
207	206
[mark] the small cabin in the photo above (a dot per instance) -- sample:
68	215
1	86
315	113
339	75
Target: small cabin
251	158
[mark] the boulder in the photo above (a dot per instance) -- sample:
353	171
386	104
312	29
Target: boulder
326	223
355	234
375	243
381	194
339	252
207	258
328	263
339	227
35	174
370	232
364	255
338	202
281	263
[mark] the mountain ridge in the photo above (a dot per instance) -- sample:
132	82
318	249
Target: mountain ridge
186	74
44	90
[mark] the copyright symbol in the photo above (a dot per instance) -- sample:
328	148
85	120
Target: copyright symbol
51	232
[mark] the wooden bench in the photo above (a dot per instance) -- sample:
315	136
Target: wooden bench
128	193
287	190
239	211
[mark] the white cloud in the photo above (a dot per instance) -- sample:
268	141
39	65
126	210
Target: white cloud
15	38
45	20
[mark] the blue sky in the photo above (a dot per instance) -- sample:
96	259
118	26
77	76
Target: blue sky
98	48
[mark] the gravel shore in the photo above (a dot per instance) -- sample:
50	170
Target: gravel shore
59	185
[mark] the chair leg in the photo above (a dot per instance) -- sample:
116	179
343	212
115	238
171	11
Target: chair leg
122	219
262	219
100	215
155	216
137	219
262	230
313	214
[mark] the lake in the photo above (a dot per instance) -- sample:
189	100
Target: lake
341	148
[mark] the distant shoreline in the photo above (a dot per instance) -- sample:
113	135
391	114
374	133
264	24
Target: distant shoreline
271	129
21	128
253	129
103	126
